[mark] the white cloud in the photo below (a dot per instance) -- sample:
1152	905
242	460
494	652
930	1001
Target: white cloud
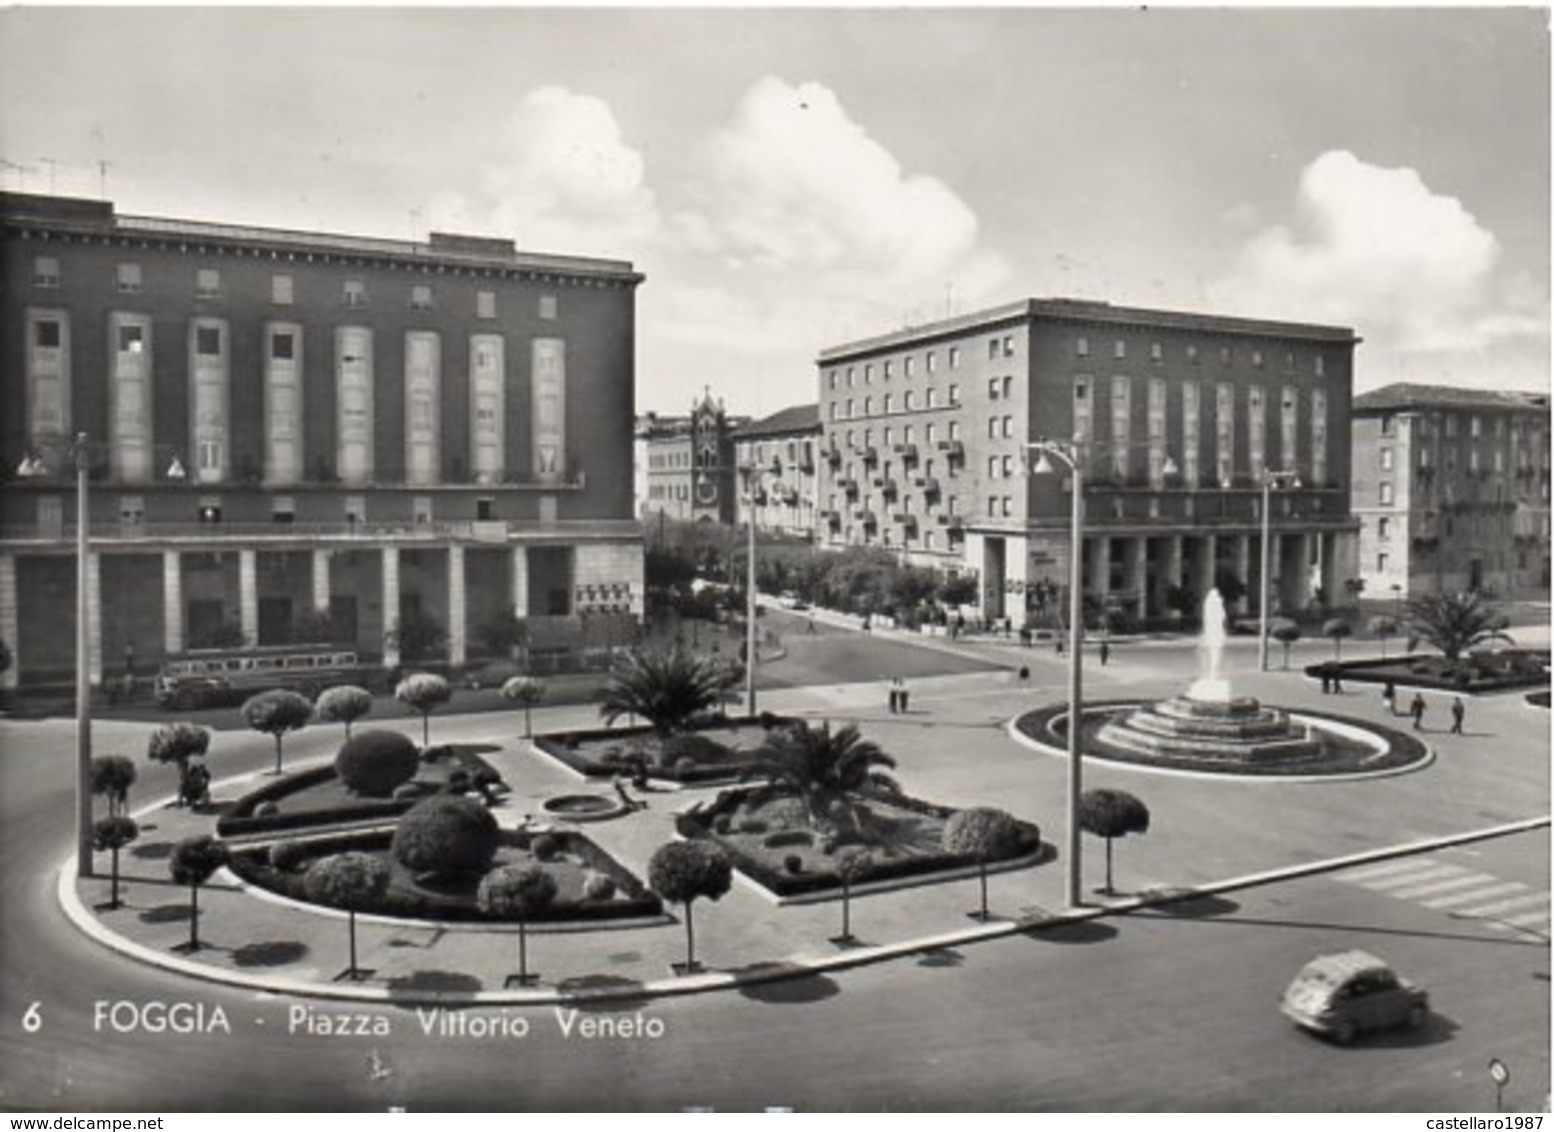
792	183
1377	249
560	178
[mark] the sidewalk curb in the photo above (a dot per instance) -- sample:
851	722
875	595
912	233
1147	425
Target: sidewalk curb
795	966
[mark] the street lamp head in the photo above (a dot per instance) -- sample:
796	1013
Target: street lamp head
1170	467
175	470
1043	466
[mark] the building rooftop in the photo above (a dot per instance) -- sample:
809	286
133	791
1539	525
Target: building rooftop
97	217
1089	312
1410	395
795	418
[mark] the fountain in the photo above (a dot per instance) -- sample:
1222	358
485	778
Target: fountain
1207	723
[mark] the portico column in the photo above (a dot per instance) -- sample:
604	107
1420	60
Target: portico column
1138	572
172	601
1101	567
321	581
457	609
520	573
1301	582
390	606
1244	566
248	595
9	620
94	617
1171	563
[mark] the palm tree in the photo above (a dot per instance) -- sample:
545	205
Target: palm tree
828	770
665	687
1455	623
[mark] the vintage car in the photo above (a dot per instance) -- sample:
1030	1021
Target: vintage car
1349	992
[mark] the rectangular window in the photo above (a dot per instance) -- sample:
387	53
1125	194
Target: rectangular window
1257	430
1224	355
1386	424
954	394
282	346
1157	432
127	278
1008	346
548	307
1190	433
887	369
207	283
1082	408
1156	352
1008	387
1082	348
906	367
207	340
1320	365
1008	428
1192	354
132	338
45	271
992	467
282	290
1319	436
992	349
1257	358
354	292
485	304
1119	349
1385	494
992	388
954	359
420	297
1008	466
1386	459
46	333
1224	433
930	361
1383	528
1122	424
992	428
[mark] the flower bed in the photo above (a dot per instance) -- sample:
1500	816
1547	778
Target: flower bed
1498	671
317	797
715	751
764	840
571	863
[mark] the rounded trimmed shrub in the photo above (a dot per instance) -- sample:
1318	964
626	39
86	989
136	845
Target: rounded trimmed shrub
514	892
784	838
546	847
685	766
598	886
699	749
722	825
445	834
266	810
355	882
374	763
753	826
982	832
288	856
793	864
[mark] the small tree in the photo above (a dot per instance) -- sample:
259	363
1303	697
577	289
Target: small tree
666	688
682	871
525	691
194	861
515	892
1111	814
1384	627
344	703
1455	623
374	763
111	834
1286	632
352	881
424	692
984	833
112	776
1337	629
177	743
275	713
852	863
418	636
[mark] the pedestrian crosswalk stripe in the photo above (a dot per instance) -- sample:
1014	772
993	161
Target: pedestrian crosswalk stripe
1499	906
1439	873
1435	888
1528	919
1386	870
1468	898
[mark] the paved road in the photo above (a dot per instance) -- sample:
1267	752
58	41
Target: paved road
1153	1011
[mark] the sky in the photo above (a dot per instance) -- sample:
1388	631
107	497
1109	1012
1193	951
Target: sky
789	180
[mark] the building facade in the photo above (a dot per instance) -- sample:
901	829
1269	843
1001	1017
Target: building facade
366	425
925	434
690	465
780	451
1451	488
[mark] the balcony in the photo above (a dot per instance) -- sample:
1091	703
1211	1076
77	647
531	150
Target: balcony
889	487
929	484
866	517
871	454
850	486
833	456
472	530
906	519
907	452
954	448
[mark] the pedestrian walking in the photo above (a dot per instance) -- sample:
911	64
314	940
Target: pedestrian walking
1389	696
1416	708
1106	653
1327	680
901	695
1025	673
895	698
1458	710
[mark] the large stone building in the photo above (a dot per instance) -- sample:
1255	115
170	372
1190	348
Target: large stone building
925	435
779	451
1451	487
367	425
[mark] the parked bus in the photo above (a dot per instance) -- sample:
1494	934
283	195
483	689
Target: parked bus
222	677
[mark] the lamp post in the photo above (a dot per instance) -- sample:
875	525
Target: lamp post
80	451
1271	479
752	476
1070	455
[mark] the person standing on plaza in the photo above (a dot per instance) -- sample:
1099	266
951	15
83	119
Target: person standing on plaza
1458	711
1389	696
895	698
1416	708
901	694
1106	652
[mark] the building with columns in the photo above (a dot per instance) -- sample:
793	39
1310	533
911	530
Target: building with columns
1451	488
925	433
365	425
781	452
